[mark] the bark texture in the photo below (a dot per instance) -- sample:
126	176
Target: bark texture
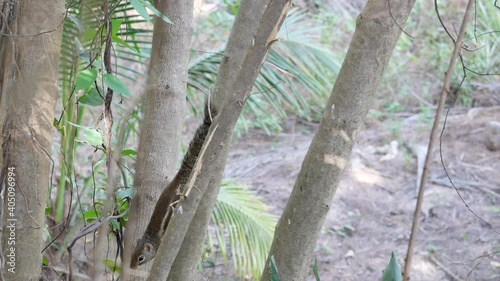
32	48
164	112
377	32
212	160
239	42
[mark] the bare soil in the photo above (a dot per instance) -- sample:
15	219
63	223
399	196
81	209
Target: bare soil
372	210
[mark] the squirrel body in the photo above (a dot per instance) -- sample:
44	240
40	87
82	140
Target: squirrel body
147	246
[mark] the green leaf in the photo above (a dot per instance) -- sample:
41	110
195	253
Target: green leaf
114	224
315	270
125	44
130	153
116	84
125	192
393	271
48	211
85	79
89	34
139	7
111	265
92	136
58	126
90	215
115	26
45	261
123	208
127	152
92	98
274	270
95	63
156	12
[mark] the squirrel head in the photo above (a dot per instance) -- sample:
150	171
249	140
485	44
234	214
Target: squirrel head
144	251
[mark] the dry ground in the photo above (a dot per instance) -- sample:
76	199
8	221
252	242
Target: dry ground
372	211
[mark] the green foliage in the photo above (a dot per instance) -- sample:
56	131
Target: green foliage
91	97
91	136
111	265
393	271
115	84
484	43
90	215
232	6
141	5
418	64
83	82
85	79
296	78
243	218
315	270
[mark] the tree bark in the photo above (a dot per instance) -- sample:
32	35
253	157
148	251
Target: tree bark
377	31
164	112
239	42
211	162
32	48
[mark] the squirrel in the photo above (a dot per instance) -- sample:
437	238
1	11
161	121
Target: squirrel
148	244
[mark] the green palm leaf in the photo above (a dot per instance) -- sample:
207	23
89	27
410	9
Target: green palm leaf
297	76
241	218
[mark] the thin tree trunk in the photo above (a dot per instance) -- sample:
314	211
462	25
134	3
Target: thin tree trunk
33	52
210	165
377	31
164	112
239	42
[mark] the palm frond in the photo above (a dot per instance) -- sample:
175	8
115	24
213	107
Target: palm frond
297	77
242	218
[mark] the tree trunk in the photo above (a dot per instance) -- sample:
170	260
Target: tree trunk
377	31
164	112
33	51
239	42
211	162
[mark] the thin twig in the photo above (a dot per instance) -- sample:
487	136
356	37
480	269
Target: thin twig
423	182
